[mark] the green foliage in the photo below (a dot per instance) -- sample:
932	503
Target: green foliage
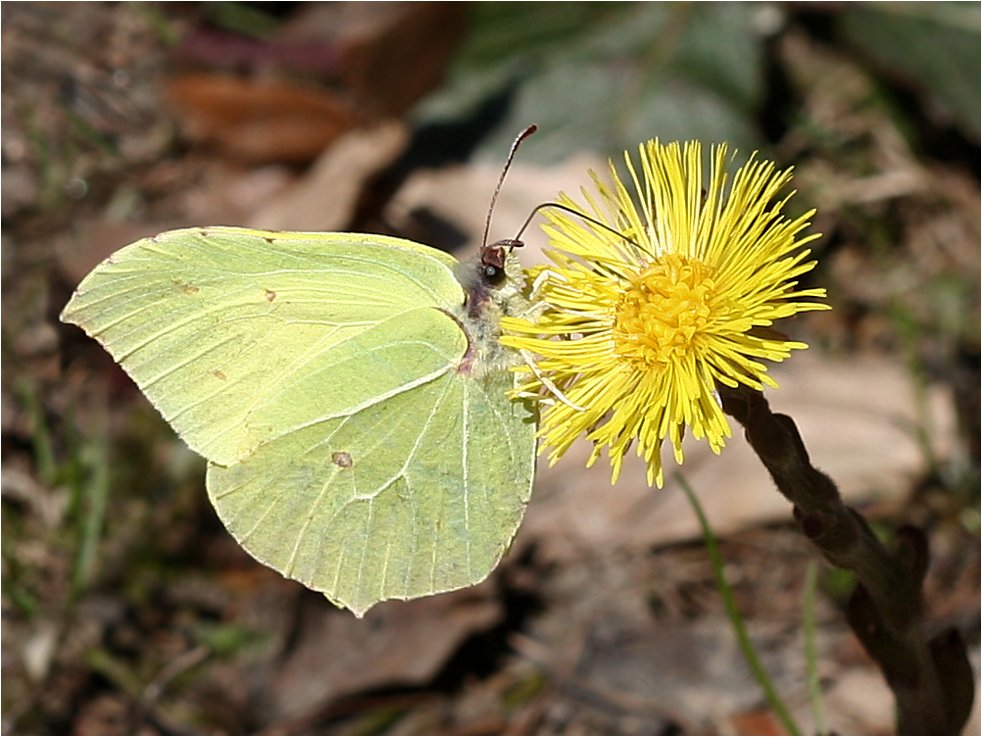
603	76
224	639
245	18
934	46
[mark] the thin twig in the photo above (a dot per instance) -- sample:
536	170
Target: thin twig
155	689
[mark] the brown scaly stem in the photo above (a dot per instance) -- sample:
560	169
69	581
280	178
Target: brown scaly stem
930	677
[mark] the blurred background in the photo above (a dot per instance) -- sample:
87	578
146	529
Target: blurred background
127	609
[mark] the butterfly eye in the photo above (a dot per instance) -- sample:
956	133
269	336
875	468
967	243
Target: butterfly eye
493	274
493	263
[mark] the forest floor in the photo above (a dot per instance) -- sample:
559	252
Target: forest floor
127	607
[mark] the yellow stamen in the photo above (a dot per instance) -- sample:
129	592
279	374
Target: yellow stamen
663	311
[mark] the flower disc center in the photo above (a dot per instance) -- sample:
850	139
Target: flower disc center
664	310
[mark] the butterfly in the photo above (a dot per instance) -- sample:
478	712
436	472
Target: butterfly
348	391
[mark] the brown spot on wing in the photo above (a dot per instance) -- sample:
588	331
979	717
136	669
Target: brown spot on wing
185	287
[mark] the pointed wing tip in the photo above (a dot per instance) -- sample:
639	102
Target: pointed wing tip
67	313
359	610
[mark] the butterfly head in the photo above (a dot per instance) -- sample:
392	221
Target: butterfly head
491	279
494	260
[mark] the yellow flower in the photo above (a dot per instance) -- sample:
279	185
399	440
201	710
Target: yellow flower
638	329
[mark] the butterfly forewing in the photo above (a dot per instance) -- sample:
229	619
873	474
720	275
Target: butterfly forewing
224	328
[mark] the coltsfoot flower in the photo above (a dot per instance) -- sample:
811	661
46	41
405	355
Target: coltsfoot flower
636	330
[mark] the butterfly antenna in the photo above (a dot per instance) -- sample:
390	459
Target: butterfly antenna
494	198
576	213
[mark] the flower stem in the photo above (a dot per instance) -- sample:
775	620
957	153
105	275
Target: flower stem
930	677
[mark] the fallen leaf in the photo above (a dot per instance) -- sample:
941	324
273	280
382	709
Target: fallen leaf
397	643
259	121
327	196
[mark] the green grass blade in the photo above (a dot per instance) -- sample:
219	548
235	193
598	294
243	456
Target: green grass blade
811	655
729	602
96	497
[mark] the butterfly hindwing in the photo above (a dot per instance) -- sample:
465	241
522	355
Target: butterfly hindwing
417	494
